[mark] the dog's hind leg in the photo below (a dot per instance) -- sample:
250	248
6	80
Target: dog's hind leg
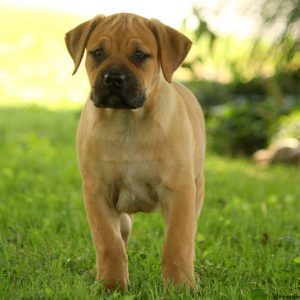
125	227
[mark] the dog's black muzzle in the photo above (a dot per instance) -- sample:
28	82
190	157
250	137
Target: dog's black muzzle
117	88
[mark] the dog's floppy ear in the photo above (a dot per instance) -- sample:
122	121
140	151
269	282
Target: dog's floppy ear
173	47
77	38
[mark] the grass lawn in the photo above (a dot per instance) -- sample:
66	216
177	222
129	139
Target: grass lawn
248	240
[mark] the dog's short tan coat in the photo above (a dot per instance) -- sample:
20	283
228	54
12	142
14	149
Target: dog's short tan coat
140	159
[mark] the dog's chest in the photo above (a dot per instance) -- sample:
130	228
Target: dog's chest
138	187
130	166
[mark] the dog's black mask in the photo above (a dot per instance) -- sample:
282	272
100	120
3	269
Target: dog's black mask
117	88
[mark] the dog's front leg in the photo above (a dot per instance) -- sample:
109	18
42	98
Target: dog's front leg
104	222
178	249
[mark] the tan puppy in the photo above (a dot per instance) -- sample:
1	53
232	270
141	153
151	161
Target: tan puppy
140	141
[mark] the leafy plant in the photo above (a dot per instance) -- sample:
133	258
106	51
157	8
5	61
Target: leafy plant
242	128
284	17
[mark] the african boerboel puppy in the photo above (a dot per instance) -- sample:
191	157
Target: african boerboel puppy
140	141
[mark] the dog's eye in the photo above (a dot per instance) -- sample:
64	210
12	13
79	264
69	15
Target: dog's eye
97	54
139	56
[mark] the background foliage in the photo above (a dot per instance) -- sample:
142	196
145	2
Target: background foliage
259	90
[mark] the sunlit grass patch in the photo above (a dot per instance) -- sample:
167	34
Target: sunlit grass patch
35	66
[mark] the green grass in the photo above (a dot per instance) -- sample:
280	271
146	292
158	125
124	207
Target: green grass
248	241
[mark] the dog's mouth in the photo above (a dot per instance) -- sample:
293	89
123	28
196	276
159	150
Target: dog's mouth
101	99
117	88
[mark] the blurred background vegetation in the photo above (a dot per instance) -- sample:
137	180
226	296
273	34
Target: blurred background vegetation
249	87
252	95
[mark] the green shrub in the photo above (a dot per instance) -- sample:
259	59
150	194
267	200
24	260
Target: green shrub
210	94
241	128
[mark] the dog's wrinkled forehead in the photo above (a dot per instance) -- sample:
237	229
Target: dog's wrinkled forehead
119	28
122	22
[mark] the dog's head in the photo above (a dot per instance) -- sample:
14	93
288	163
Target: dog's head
125	54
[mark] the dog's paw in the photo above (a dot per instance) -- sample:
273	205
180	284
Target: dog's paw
114	283
178	275
112	269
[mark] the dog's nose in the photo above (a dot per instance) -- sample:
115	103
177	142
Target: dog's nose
117	79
